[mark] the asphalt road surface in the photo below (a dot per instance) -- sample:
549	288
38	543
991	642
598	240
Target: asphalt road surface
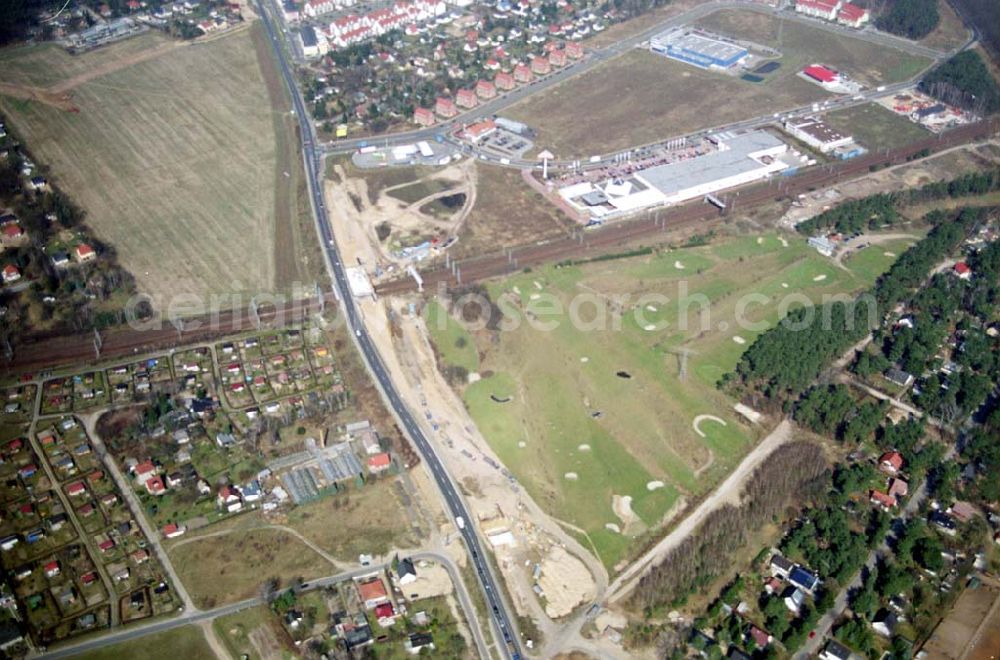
313	167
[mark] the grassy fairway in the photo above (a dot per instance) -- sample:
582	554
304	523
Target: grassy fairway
174	158
575	432
876	127
640	97
183	642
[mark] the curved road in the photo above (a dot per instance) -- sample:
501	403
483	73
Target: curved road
313	166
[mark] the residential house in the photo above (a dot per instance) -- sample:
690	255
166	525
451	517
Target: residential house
225	440
557	58
574	50
173	530
417	642
523	74
60	259
852	15
379	463
760	638
252	492
962	271
229	499
84	253
8	542
963	511
885	623
794	598
485	89
943	522
385	614
890	462
479	130
424	117
372	593
803	579
466	98
155	486
898	377
76	489
898	487
541	65
405	572
884	500
834	650
505	81
445	107
11	274
780	567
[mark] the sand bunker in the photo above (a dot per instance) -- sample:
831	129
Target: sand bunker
889	254
517	291
585	359
819	278
649	328
784	285
522	444
535	296
696	424
760	240
739	340
537	285
622	506
784	243
613	527
678	265
583	447
571	476
650	308
654	485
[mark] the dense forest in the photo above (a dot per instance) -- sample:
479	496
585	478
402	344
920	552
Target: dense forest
965	81
793	470
786	359
913	19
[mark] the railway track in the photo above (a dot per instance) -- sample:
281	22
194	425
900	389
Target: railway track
122	342
691	215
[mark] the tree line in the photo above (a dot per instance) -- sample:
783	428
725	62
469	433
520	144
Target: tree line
794	470
881	209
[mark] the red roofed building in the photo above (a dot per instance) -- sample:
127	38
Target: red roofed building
541	65
574	50
424	117
760	638
505	81
154	486
884	500
522	74
818	8
76	488
11	273
12	233
106	545
852	15
52	569
379	462
492	65
557	58
466	98
485	89
84	252
479	130
143	471
372	593
890	462
172	531
89	578
445	107
140	556
820	74
386	614
963	271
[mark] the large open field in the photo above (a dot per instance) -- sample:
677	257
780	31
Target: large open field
876	127
180	158
581	415
184	642
641	97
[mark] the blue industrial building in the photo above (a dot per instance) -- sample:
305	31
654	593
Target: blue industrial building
697	49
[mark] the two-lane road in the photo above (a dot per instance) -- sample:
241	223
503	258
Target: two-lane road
313	167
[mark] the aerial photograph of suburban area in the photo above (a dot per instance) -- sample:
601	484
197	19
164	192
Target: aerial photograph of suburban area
500	329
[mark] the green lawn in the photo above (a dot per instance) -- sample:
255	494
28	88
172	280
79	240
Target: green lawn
183	642
576	433
876	127
454	343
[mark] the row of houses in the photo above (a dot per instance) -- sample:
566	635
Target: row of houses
354	28
844	13
484	90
